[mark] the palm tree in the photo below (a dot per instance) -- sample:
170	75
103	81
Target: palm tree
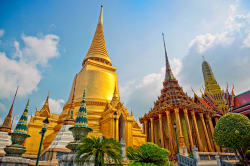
95	149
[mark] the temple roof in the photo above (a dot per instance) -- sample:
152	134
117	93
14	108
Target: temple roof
172	95
6	126
242	99
45	111
97	50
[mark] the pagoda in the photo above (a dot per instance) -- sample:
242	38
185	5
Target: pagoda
98	76
5	128
212	88
193	121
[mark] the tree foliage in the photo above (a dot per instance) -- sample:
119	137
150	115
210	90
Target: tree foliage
95	149
233	131
148	154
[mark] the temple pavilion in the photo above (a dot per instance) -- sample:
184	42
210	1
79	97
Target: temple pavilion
193	121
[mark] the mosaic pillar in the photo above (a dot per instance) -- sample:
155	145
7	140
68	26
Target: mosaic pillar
179	131
205	131
161	131
189	129
171	149
152	129
146	129
197	131
212	131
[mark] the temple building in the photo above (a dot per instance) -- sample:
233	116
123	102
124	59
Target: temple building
174	108
107	115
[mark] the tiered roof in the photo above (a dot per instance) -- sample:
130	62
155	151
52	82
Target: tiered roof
97	50
172	95
45	111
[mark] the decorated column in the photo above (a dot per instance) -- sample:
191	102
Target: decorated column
212	131
146	129
179	130
197	131
161	131
205	131
189	129
152	129
170	131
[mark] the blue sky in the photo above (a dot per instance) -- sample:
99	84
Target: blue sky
43	43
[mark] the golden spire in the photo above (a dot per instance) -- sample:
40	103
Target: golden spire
97	50
7	123
169	74
45	111
132	114
71	109
211	86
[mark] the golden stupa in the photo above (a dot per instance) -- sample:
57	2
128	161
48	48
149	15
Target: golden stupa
99	78
212	88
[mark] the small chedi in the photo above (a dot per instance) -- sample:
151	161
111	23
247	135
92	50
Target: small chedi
5	128
16	149
79	131
18	136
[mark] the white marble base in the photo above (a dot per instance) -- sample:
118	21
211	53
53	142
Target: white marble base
68	160
5	140
63	137
13	161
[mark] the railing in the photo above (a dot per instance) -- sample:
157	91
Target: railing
186	161
224	163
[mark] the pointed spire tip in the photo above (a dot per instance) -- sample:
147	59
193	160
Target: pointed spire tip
100	21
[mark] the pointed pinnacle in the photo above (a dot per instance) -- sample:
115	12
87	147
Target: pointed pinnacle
27	105
100	21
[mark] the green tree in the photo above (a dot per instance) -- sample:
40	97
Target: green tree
148	154
233	131
95	149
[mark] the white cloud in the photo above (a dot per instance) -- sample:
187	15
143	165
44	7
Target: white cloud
246	42
22	68
227	52
38	50
2	108
55	105
141	93
1	32
13	73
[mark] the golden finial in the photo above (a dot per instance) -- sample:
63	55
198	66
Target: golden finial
100	21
